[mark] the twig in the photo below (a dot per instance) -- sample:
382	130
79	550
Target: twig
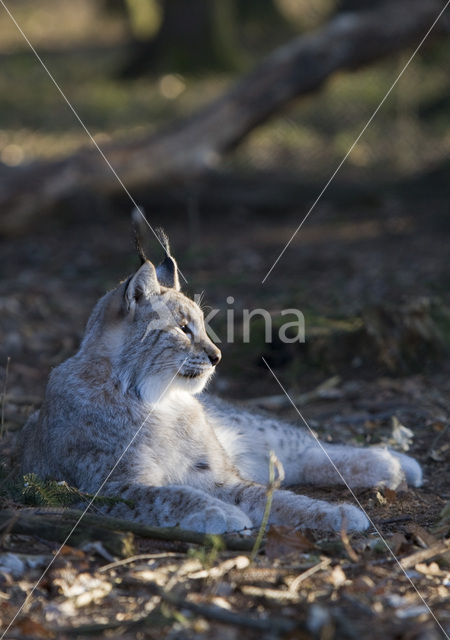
273	484
271	594
237	563
421	556
394	520
346	542
137	558
267	574
306	574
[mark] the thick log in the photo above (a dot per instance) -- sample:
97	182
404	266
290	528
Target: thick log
193	146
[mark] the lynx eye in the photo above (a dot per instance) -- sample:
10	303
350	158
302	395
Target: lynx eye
185	328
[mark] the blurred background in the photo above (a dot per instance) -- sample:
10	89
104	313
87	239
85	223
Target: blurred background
370	267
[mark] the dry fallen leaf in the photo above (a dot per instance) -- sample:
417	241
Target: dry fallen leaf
282	541
421	536
337	576
398	543
390	495
361	584
32	629
67	550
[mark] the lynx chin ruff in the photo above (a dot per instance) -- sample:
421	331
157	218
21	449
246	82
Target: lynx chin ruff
196	462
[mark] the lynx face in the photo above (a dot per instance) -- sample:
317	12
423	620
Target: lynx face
165	342
154	335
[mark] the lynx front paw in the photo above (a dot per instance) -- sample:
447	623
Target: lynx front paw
217	519
349	517
304	512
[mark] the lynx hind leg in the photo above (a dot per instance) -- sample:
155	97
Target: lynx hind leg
360	467
295	510
249	437
410	467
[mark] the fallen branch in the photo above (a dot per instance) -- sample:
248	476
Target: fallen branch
193	146
56	528
235	542
438	549
114	533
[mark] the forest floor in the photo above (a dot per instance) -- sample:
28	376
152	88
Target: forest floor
310	585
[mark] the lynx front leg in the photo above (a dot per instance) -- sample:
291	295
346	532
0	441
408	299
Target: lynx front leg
291	509
358	467
173	505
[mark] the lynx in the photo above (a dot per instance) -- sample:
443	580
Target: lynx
129	401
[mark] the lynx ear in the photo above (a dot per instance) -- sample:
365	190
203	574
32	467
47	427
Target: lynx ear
142	285
167	271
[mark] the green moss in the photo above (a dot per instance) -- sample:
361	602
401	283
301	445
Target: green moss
60	494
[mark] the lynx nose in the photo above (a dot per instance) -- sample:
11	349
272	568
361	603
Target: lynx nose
215	357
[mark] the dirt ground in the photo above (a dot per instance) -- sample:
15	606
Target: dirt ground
348	256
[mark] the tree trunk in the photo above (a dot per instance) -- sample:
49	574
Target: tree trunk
194	146
194	35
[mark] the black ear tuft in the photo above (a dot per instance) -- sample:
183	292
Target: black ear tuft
167	271
163	239
137	219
